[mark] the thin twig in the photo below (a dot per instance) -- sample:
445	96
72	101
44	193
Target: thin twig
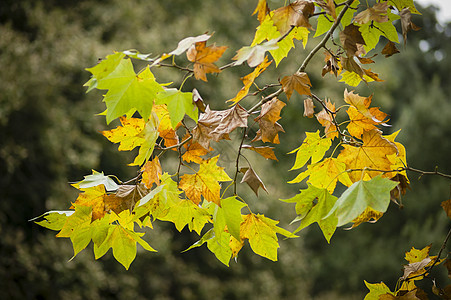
331	113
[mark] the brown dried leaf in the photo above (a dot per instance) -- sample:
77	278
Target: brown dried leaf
389	49
446	205
406	23
328	6
309	110
415	268
325	119
295	14
299	82
331	64
265	151
352	40
253	181
377	13
269	128
217	124
197	99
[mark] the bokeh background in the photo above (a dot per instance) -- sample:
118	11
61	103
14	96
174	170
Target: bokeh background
49	136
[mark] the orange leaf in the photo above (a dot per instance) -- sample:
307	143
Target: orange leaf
248	80
360	123
93	197
204	58
261	10
299	82
151	172
269	128
326	120
389	49
266	152
194	151
295	14
446	205
165	129
205	182
362	105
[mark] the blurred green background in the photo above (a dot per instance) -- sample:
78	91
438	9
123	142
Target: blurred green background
49	136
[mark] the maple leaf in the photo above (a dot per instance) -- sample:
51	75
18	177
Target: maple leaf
325	119
165	129
360	123
295	14
127	91
371	154
218	243
204	58
54	219
194	151
151	172
406	22
374	193
299	82
377	13
269	128
261	233
186	212
331	64
178	104
253	181
376	290
265	151
324	23
312	205
248	80
328	6
268	31
134	132
96	179
216	125
92	197
398	160
389	49
254	55
352	40
205	182
362	105
261	10
325	174
313	147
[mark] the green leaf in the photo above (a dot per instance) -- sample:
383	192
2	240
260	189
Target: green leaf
185	212
97	179
400	4
127	91
150	136
325	24
374	193
218	244
376	290
313	147
230	211
372	31
312	205
103	69
124	246
179	104
53	220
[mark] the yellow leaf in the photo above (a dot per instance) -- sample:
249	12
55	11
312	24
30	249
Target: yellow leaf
261	10
93	197
248	80
360	123
165	129
205	182
151	172
369	215
417	255
371	154
128	135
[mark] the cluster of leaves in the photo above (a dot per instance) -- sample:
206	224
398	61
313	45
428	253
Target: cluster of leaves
352	153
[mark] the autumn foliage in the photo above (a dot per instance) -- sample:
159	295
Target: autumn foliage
348	152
